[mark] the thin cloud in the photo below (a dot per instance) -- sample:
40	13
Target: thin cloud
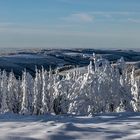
90	16
79	17
111	14
134	20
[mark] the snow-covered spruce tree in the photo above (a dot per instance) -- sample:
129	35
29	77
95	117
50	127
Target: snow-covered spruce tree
138	90
134	91
48	81
3	106
51	94
27	93
13	93
19	95
63	90
44	79
61	87
104	96
37	93
72	96
78	104
119	91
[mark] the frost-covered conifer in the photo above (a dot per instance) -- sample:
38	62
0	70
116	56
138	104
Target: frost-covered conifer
13	93
37	93
134	91
4	91
27	93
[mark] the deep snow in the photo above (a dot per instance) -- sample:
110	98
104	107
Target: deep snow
110	126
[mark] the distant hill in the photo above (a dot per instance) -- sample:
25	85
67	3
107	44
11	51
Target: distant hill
18	60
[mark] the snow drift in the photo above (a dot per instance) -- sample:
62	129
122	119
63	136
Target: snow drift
121	126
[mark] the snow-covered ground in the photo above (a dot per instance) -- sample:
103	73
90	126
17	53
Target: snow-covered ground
117	126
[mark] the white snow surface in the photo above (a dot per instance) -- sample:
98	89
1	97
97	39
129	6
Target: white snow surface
110	126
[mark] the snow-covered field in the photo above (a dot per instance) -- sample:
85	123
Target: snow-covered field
110	126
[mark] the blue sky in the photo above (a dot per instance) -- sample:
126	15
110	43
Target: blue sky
70	24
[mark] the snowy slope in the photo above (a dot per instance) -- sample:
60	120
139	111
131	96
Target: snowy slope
48	127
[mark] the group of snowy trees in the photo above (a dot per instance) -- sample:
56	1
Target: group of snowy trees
101	87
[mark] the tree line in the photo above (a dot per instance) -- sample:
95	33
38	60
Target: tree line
100	87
